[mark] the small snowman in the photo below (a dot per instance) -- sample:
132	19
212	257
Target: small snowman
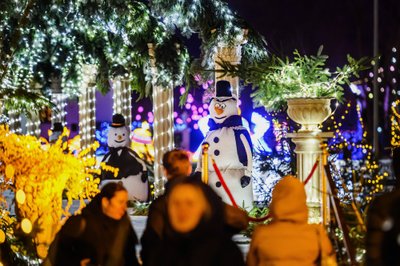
132	170
230	146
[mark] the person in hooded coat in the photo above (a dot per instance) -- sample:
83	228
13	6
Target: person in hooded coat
288	239
194	232
101	235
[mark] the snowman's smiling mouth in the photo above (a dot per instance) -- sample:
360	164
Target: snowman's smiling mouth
119	141
222	117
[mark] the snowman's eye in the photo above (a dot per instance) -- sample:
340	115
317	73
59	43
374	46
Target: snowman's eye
222	106
116	134
123	134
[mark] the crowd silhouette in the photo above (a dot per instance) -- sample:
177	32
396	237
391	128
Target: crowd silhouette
190	225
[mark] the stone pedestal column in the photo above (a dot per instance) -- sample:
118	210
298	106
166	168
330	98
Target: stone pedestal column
163	126
122	100
308	151
87	106
231	53
310	113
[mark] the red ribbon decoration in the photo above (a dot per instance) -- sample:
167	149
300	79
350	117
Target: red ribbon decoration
253	219
221	179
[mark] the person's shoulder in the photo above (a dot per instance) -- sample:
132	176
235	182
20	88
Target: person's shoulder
157	205
74	226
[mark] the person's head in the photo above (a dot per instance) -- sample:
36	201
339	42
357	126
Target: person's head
176	164
187	206
289	200
114	199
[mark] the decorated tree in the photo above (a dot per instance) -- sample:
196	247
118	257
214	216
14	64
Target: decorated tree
39	174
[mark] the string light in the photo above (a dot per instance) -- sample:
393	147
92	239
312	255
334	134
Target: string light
122	98
87	107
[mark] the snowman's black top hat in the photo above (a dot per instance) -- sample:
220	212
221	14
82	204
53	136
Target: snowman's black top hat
118	120
223	89
57	127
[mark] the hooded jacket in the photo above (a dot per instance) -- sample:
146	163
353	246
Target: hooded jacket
94	235
288	239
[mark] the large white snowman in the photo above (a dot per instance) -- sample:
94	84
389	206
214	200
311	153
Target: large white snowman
230	146
132	170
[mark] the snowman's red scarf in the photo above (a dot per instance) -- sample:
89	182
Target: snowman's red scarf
235	121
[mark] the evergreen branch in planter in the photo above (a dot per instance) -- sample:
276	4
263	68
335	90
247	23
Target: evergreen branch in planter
275	80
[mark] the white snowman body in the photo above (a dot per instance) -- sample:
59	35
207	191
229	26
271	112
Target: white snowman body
224	137
122	157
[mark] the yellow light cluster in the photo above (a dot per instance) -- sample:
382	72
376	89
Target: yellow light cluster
40	173
395	128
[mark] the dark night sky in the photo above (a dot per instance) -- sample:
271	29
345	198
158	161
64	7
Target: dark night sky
342	26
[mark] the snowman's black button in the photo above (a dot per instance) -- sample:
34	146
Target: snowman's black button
218	184
216	152
216	139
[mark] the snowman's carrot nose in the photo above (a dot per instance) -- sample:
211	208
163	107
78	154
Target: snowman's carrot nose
218	110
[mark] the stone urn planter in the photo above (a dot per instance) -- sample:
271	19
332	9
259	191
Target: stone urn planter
309	112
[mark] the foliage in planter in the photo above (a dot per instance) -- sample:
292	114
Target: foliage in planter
275	80
139	208
256	212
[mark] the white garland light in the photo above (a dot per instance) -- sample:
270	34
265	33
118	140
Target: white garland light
87	106
163	126
14	122
122	98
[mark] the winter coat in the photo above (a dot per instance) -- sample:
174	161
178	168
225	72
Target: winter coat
288	239
208	244
235	220
381	226
94	235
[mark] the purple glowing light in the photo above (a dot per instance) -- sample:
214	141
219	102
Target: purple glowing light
140	109
190	98
175	114
138	117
